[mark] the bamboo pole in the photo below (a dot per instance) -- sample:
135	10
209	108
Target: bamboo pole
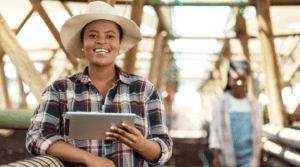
136	16
157	51
4	102
286	136
226	52
20	59
15	119
277	109
280	151
241	31
22	94
24	21
161	77
38	7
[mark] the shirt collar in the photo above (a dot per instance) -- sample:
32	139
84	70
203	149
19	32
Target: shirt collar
123	76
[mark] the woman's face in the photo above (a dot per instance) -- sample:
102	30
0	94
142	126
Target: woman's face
101	42
238	81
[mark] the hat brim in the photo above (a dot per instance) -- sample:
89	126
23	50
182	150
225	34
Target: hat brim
71	31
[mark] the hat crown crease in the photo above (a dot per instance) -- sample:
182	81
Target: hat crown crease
93	8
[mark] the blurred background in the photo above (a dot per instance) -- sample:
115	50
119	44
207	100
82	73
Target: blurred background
185	53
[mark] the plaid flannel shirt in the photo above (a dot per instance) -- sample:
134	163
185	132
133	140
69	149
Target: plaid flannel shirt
129	94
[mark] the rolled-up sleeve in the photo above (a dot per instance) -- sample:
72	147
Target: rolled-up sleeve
44	129
158	129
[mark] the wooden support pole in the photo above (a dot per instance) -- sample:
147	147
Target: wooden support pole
15	119
24	21
38	7
22	94
286	136
67	8
226	52
292	70
277	109
241	31
20	59
4	102
280	151
288	47
157	51
47	65
136	16
161	77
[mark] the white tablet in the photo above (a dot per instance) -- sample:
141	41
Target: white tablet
93	125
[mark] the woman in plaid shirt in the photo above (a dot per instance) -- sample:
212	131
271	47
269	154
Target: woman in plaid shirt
100	35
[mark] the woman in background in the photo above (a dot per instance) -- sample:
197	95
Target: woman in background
235	130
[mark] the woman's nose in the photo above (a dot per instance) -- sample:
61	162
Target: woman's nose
101	40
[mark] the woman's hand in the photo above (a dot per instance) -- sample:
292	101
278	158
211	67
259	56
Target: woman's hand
216	162
128	135
95	161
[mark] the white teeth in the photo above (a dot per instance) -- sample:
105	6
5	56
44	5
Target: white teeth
101	50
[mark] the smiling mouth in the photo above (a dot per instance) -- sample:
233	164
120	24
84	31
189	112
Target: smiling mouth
101	51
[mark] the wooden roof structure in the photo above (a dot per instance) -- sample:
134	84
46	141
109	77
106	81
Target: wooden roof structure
251	37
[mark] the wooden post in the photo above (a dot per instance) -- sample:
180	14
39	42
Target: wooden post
22	94
24	21
226	52
20	59
161	77
4	102
270	64
38	7
157	51
136	16
241	31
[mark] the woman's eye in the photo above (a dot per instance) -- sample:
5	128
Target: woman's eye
92	36
111	36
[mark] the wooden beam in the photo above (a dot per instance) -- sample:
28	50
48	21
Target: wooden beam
161	77
226	52
59	69
47	65
241	31
22	94
288	47
278	34
15	119
199	3
164	22
24	21
211	3
276	108
294	112
20	59
67	8
38	7
281	152
292	70
158	47
136	16
4	102
286	136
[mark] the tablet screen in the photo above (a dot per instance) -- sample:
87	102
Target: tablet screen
93	125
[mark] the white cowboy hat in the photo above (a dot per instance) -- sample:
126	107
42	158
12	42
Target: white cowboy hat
70	33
